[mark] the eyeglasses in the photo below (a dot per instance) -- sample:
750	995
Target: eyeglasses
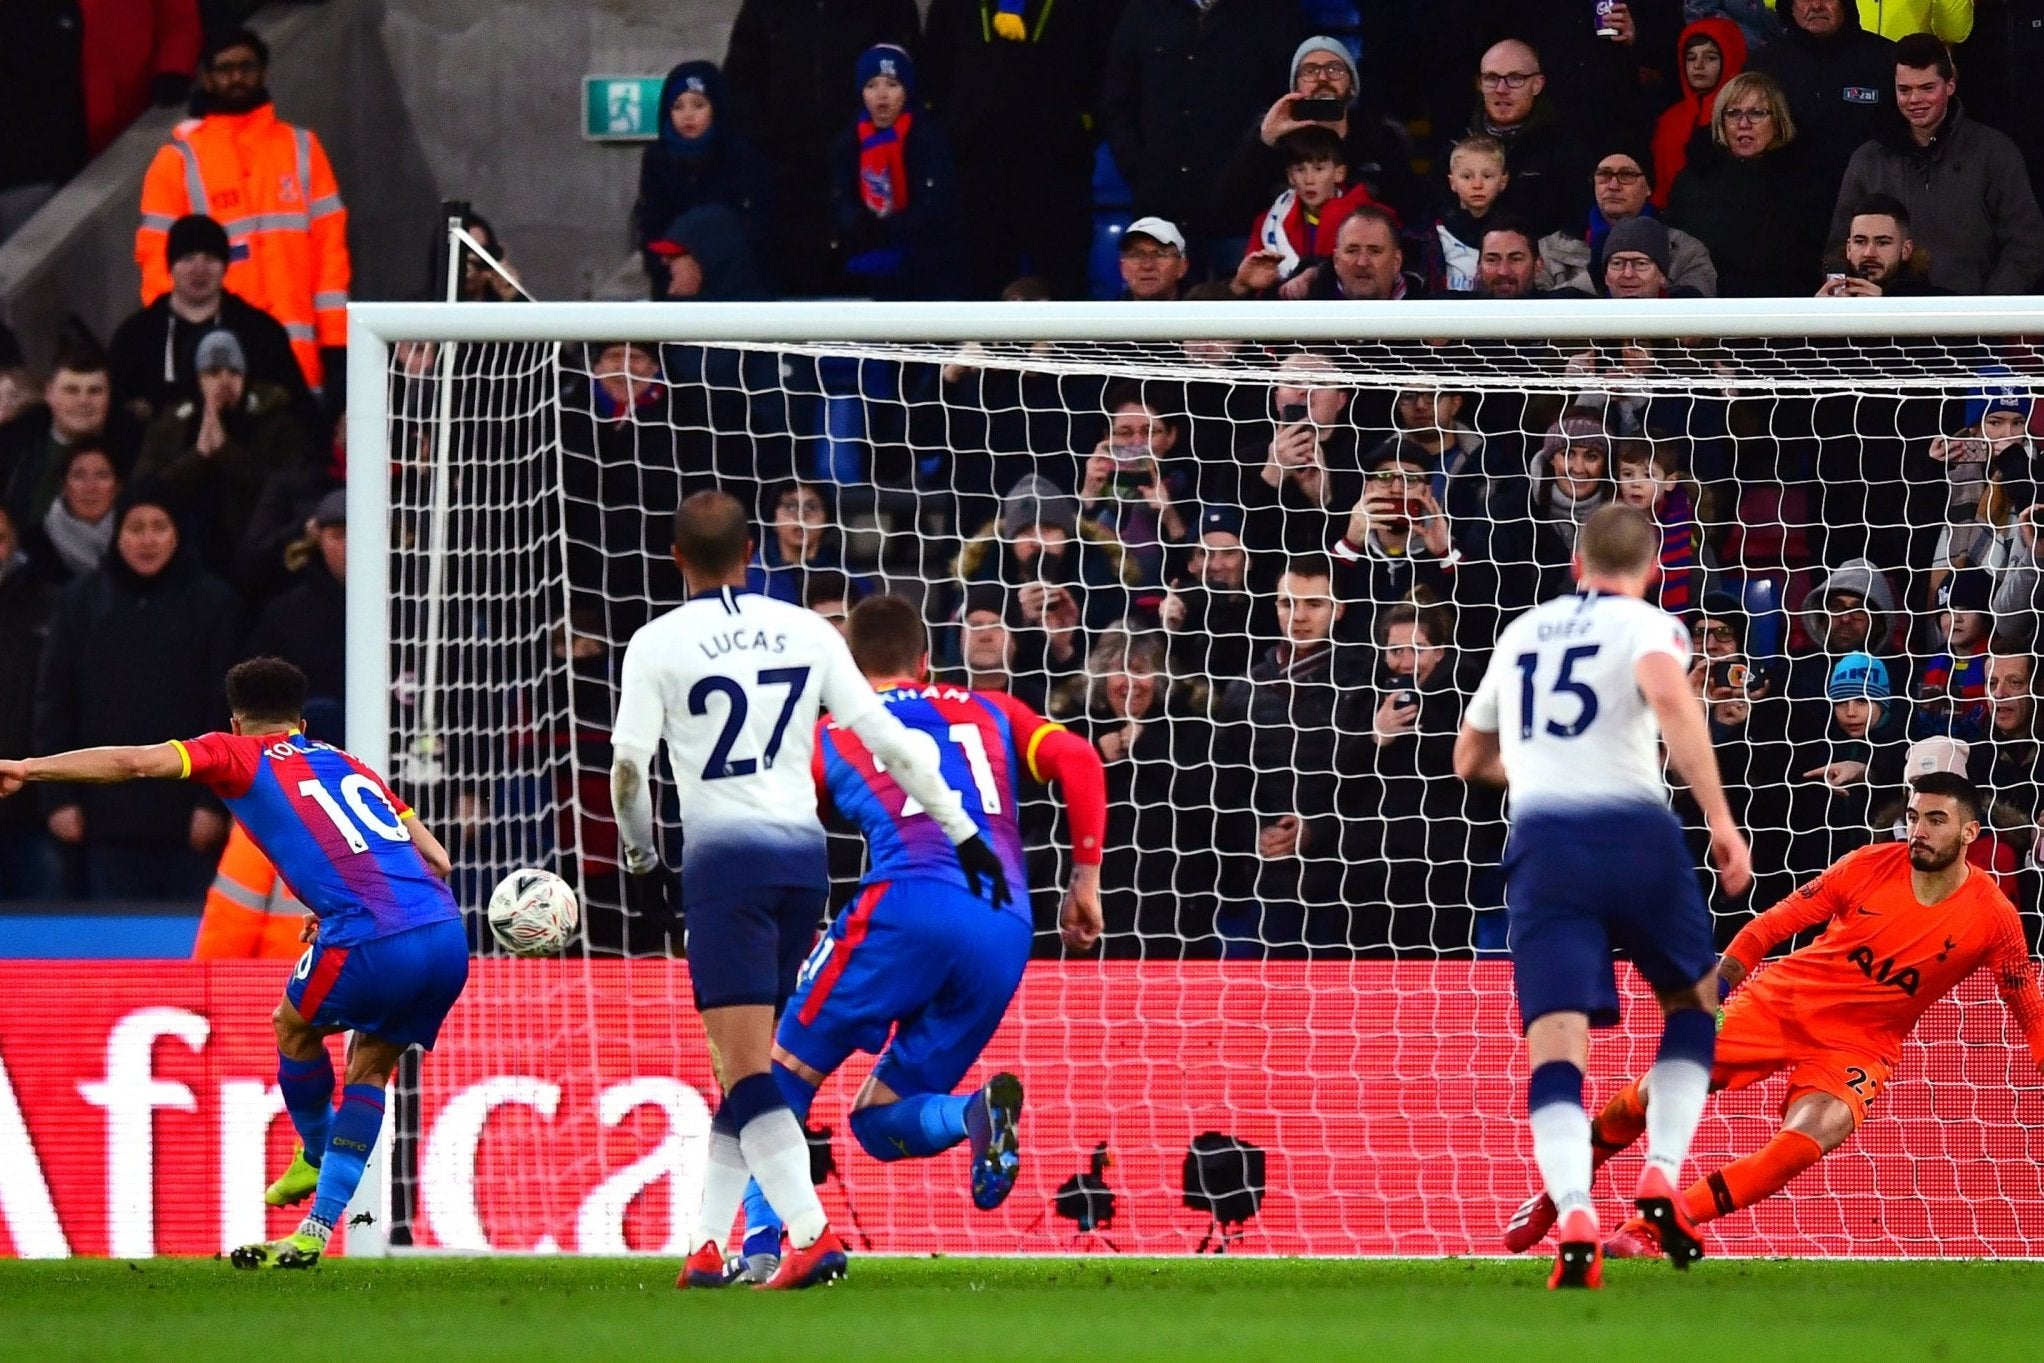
1717	633
1322	70
1138	253
1505	80
1620	177
1630	265
1743	116
1394	476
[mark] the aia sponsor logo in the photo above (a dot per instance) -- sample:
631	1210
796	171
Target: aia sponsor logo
1884	972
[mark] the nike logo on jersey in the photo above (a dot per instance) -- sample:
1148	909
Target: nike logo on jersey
1867	911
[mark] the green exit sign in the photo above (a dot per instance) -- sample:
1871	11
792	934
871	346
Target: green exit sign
621	108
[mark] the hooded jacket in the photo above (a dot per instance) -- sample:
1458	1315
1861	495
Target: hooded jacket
1690	115
1840	88
135	660
1970	202
677	176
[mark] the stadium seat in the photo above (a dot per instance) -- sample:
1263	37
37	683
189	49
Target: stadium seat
1112	202
1768	528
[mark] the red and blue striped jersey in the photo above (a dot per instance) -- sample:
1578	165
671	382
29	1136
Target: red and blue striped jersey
984	739
330	826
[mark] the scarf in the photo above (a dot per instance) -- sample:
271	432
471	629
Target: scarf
1285	228
1678	551
1569	513
1600	228
79	544
883	169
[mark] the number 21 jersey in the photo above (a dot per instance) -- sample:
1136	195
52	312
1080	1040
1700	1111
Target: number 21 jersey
1573	728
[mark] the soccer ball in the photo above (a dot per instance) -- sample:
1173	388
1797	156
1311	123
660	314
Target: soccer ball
533	912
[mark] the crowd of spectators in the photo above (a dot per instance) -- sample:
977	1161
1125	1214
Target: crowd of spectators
1264	600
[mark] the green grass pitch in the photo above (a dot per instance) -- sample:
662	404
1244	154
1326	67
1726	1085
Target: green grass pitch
1117	1310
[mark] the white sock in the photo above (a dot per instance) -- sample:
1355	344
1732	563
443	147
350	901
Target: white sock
1680	1088
1561	1148
778	1155
723	1189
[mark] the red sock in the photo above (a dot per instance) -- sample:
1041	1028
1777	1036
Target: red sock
1748	1179
1621	1122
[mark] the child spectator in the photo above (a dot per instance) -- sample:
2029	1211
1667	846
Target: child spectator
1300	224
892	194
698	160
1951	688
1713	50
1477	176
1650	478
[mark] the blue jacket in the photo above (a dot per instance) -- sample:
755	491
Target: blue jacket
675	177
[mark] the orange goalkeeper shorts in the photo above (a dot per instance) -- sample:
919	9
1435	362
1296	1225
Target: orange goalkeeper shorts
1755	1043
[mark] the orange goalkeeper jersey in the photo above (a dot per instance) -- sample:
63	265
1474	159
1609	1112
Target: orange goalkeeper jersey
1885	958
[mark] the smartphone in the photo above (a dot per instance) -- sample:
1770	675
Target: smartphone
1731	673
1319	110
1292	413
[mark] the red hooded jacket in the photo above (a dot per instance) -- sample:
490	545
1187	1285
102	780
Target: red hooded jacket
1675	127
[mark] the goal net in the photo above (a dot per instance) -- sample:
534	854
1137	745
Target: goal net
1257	555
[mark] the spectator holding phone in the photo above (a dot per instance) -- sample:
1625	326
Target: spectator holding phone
1305	476
1997	418
1397	542
1324	93
1127	495
1879	256
1209	615
1422	851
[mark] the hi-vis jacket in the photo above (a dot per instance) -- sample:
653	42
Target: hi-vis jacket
268	183
250	911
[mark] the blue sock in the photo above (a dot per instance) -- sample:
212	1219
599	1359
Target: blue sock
1689	1034
308	1087
917	1126
355	1129
796	1092
762	1227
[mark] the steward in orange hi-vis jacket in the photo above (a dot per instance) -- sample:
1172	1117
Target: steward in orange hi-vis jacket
251	914
268	183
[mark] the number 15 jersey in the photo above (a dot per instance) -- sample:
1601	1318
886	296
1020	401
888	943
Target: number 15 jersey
1573	728
330	826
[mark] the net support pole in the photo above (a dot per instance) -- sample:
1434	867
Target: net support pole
368	663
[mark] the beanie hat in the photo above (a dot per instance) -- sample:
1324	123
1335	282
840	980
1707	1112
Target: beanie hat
220	350
888	59
1859	676
1223	520
983	596
1575	428
145	492
1333	47
1968	589
1642	234
1641	155
1997	394
1035	500
197	234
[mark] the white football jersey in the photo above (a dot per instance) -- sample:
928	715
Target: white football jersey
1573	727
733	681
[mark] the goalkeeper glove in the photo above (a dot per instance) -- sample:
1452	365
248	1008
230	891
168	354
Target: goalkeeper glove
978	860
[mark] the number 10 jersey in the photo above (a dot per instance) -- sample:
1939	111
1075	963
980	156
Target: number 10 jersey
331	827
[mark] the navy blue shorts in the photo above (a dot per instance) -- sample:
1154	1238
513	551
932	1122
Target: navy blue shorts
928	961
747	947
396	988
1580	883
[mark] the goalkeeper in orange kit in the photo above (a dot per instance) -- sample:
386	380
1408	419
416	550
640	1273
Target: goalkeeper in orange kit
1907	922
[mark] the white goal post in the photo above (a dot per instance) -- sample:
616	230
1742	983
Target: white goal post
1366	1059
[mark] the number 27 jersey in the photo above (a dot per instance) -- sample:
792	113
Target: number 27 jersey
333	830
1562	696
